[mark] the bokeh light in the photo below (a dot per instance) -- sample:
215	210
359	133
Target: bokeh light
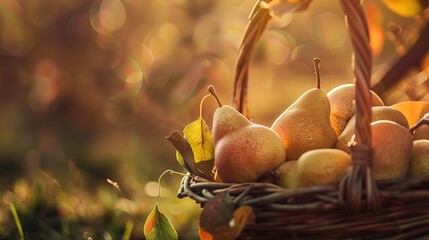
107	16
279	46
328	31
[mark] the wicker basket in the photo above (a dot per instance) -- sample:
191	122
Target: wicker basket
355	208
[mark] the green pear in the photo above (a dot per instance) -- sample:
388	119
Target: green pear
285	174
305	125
244	151
378	113
391	144
321	167
342	101
419	163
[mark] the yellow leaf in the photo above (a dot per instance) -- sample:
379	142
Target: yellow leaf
409	8
180	159
412	110
200	138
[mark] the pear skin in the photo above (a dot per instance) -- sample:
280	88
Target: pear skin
378	113
306	125
244	151
285	174
342	101
321	167
227	119
392	145
419	163
422	132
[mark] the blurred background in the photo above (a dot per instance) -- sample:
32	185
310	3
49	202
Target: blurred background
90	88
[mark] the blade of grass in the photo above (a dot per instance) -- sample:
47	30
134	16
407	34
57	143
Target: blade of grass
17	222
128	230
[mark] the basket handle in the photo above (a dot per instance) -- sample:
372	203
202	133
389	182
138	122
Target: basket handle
258	21
359	177
260	15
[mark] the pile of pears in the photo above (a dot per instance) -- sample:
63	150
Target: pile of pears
309	143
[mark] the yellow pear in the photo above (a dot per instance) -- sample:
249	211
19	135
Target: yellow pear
392	145
244	151
286	173
419	163
342	100
305	125
378	113
321	167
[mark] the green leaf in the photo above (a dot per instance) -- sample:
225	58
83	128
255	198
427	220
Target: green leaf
200	138
158	227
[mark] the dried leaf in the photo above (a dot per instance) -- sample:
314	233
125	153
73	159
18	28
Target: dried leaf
183	149
412	110
158	227
219	219
185	156
410	8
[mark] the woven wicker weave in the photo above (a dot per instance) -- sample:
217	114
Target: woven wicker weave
357	207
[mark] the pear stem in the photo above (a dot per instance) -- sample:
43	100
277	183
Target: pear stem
421	122
212	91
317	70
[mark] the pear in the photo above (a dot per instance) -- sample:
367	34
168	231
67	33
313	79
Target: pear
419	163
285	174
305	125
321	167
422	132
378	113
391	145
244	151
342	100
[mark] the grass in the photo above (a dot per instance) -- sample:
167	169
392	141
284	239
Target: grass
47	206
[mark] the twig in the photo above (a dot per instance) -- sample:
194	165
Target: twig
411	59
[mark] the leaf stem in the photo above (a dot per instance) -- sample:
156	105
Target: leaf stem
201	104
159	182
419	123
317	70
